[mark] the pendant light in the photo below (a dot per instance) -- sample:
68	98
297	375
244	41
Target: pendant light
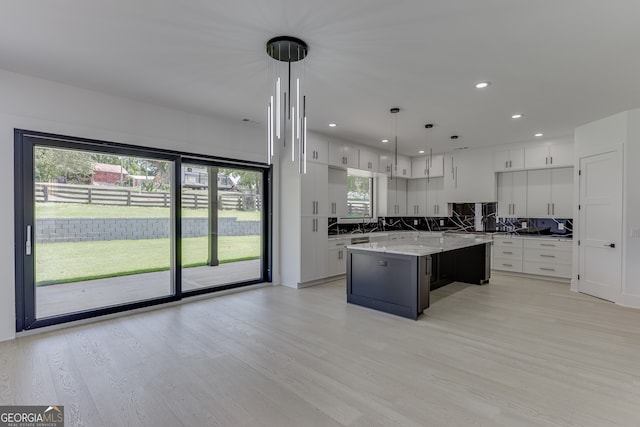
395	111
286	111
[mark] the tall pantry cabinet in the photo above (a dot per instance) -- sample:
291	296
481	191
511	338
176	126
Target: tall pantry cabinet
304	211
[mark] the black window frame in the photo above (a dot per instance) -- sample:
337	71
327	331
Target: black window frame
25	140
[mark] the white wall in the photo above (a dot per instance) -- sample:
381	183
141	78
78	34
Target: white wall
621	130
40	105
631	284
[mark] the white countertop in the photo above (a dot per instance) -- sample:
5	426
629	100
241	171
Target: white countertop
531	236
379	234
423	245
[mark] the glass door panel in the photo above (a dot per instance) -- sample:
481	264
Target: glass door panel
222	226
101	230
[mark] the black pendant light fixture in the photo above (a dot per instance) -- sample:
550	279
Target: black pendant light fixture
286	111
395	111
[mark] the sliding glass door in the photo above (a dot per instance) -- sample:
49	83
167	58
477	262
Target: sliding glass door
103	227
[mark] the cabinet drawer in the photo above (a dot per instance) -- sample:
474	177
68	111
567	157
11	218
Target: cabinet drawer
507	252
548	244
507	264
552	256
507	242
548	269
337	243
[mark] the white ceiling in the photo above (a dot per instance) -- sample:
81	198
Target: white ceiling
562	63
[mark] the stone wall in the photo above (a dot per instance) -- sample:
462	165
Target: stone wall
49	230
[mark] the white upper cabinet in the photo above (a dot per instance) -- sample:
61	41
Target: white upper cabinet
417	197
436	204
317	151
506	159
314	191
396	197
548	155
436	166
469	176
419	167
387	166
337	193
512	194
343	155
550	193
368	160
428	166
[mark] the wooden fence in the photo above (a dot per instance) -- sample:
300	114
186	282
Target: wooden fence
99	195
357	208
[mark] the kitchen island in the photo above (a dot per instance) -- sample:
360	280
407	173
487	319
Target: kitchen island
397	276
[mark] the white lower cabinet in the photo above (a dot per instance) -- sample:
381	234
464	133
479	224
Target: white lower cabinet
544	257
548	257
337	256
507	254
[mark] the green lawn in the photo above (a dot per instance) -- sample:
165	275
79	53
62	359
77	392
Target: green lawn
71	262
79	210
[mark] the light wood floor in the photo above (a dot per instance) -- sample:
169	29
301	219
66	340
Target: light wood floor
517	352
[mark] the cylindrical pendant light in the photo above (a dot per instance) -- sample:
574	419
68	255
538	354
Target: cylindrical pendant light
288	113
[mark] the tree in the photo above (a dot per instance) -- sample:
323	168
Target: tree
55	163
251	180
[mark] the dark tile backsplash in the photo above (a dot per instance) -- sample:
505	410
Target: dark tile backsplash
463	218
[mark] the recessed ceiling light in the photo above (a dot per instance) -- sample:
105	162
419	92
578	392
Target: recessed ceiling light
517	116
332	125
385	141
538	134
421	152
482	85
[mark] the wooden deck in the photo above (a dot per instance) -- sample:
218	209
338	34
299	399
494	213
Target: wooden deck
79	296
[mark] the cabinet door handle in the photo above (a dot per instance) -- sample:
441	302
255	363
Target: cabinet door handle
551	159
553	208
506	164
507	243
507	252
547	256
548	208
547	269
546	160
548	244
510	165
507	265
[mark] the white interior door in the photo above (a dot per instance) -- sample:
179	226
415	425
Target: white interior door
600	216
